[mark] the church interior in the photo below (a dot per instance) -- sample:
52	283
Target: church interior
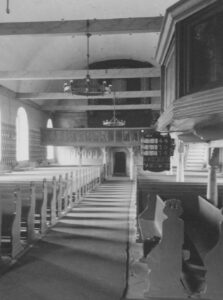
111	149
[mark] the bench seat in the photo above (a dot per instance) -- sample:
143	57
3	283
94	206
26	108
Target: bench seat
41	202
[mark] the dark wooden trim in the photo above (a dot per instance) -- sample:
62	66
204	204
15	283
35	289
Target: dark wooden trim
79	27
184	51
31	214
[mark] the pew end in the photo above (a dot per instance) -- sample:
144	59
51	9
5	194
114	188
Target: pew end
201	273
38	205
213	262
165	259
151	219
11	211
202	236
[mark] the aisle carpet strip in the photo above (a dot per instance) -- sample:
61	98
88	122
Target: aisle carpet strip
83	257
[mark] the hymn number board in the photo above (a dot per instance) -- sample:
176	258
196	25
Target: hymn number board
156	150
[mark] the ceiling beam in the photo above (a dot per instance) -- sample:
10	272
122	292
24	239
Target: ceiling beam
100	107
79	27
80	74
66	96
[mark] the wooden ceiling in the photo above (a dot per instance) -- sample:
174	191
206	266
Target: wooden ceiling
38	41
79	74
79	27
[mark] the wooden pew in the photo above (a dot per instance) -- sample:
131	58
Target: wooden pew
42	201
37	178
202	271
169	190
150	223
151	219
29	208
77	185
51	203
164	261
65	194
72	184
42	211
31	214
10	222
34	197
203	238
41	194
213	262
55	201
86	178
59	197
25	188
62	192
72	188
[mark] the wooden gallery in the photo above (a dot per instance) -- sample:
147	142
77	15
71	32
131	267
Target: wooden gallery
111	150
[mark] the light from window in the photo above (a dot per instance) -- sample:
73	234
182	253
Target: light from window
0	136
22	135
50	149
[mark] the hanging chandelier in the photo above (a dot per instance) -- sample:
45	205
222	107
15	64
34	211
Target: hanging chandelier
86	86
114	122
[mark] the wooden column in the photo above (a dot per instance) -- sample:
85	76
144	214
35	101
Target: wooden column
98	176
180	161
81	182
85	180
75	185
89	180
72	187
104	152
131	163
80	156
59	197
66	192
212	187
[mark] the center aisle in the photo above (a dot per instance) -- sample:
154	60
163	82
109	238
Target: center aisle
83	257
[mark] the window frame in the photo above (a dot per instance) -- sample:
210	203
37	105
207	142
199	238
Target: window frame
22	135
169	59
184	50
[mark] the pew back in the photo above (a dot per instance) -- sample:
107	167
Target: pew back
202	222
35	209
169	190
151	219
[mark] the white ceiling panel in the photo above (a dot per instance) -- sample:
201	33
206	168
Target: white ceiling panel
42	52
46	10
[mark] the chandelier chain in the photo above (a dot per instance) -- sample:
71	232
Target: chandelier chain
7	7
86	86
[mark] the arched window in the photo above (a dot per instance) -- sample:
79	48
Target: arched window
50	149
0	136
22	135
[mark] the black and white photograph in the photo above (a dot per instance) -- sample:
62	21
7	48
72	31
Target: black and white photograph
111	149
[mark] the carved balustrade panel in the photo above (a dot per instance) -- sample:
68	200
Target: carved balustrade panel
91	137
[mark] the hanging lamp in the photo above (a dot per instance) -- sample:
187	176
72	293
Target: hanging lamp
114	122
86	86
